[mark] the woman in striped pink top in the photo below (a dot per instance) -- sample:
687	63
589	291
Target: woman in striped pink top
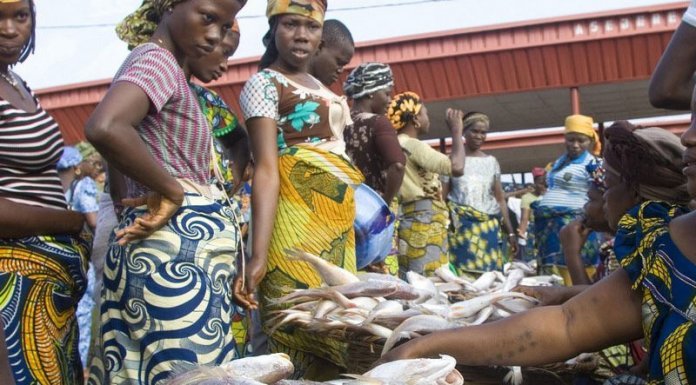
166	299
42	260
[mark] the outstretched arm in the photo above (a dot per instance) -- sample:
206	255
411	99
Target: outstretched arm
608	313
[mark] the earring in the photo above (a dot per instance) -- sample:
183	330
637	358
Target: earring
170	9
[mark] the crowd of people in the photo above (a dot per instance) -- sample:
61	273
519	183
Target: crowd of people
125	258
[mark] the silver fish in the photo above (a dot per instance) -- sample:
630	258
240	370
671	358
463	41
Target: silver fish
266	369
330	273
470	307
420	323
421	371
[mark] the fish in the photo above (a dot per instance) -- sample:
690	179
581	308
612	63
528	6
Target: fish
323	308
485	281
419	323
267	368
513	279
420	371
528	270
331	274
328	293
448	276
470	307
423	285
260	370
514	376
385	307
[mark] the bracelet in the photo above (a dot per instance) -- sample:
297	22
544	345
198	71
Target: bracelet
512	235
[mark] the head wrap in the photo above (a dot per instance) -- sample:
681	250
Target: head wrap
10	1
649	159
86	149
474	117
368	78
71	157
582	124
138	27
403	109
314	9
597	174
537	172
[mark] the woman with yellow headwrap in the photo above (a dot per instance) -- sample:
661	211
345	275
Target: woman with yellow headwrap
423	224
167	292
568	183
303	193
43	259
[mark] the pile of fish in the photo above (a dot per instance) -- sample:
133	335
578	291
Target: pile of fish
382	306
275	368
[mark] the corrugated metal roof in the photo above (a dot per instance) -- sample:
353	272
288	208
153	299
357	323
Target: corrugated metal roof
452	65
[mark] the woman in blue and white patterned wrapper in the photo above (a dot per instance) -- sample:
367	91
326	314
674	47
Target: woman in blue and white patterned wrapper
167	295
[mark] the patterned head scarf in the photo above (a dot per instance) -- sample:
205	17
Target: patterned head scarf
138	27
582	124
597	174
314	9
648	159
475	117
71	158
403	109
368	78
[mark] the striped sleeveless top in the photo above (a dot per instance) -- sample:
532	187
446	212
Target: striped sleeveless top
30	147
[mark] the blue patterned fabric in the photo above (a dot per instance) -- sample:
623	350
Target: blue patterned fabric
667	280
548	222
41	280
474	240
82	196
167	300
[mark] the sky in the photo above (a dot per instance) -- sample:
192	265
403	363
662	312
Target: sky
76	41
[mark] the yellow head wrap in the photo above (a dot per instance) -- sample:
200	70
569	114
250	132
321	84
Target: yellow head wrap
582	124
314	9
9	1
138	27
403	109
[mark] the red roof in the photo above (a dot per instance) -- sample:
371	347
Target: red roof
600	48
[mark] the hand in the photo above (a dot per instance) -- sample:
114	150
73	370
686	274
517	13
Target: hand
455	120
547	295
512	241
159	210
245	290
574	235
379	267
243	299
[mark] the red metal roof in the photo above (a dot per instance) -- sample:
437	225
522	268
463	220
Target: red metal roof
587	49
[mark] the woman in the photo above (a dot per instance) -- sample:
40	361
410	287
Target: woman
651	294
568	182
422	227
477	203
231	149
176	246
371	140
42	259
302	197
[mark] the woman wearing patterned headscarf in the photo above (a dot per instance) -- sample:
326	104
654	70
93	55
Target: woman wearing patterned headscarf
172	229
371	140
652	295
306	199
422	227
477	205
568	182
